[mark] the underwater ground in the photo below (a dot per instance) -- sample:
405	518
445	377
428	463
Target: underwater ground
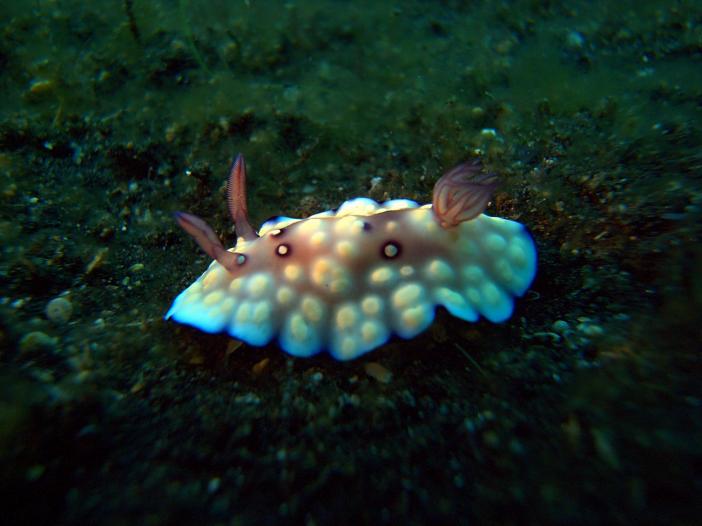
584	408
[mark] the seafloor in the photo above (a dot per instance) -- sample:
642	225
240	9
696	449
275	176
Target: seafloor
584	408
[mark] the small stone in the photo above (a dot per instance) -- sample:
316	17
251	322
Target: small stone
560	326
41	87
59	310
97	261
504	46
196	359
37	341
214	485
378	372
10	190
316	377
575	40
605	447
590	329
232	346
261	366
491	438
35	472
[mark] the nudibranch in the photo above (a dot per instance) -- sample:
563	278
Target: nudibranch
347	280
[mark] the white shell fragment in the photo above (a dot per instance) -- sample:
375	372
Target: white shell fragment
347	281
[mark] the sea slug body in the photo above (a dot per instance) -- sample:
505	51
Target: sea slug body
346	281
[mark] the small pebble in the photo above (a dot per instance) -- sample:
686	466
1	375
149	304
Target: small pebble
232	346
196	359
575	40
560	326
40	88
214	485
261	366
59	310
590	329
35	472
378	372
37	341
97	261
316	377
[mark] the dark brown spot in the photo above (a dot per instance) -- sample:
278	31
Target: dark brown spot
391	250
